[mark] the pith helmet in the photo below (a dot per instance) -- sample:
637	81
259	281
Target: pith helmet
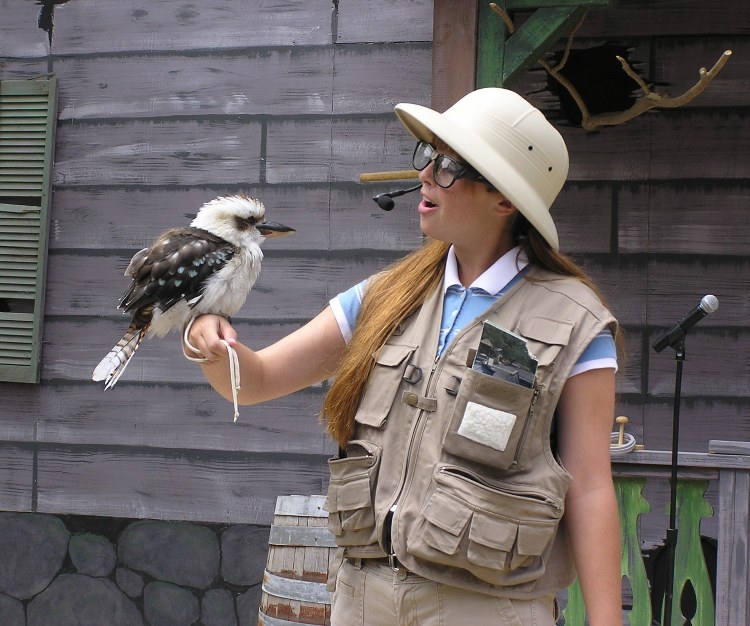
508	141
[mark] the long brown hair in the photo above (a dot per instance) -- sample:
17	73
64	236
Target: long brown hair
396	293
390	298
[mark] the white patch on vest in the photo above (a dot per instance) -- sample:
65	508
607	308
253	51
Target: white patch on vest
490	427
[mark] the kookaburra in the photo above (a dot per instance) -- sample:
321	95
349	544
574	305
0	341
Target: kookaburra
209	267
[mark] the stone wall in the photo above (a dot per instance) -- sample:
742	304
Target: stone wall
90	571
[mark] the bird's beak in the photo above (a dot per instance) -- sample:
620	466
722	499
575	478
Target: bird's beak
273	229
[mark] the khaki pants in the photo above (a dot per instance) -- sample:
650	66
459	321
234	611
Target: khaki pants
372	594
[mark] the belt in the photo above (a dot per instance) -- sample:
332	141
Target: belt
391	561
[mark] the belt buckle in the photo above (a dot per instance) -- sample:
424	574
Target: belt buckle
394	564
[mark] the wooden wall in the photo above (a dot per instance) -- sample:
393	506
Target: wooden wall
162	107
165	105
658	210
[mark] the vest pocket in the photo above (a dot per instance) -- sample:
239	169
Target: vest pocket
351	516
446	523
500	533
545	337
383	383
489	419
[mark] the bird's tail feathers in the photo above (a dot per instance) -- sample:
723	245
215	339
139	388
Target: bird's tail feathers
112	366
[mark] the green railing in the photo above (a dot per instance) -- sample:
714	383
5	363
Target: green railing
729	464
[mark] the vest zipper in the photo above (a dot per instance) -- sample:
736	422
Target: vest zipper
522	439
407	471
534	494
418	425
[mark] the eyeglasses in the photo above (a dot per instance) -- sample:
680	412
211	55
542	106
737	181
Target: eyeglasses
446	170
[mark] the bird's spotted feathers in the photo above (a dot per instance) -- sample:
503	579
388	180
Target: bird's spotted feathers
208	267
175	267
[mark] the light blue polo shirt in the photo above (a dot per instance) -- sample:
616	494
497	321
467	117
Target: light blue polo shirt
462	305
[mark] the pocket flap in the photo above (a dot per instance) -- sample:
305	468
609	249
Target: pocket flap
493	531
446	513
547	330
383	383
360	448
393	355
353	494
546	336
533	539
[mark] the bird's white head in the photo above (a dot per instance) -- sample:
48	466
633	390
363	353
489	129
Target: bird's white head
239	219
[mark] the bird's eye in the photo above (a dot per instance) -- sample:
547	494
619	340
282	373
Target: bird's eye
243	223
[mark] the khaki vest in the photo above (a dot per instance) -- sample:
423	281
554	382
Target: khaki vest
469	512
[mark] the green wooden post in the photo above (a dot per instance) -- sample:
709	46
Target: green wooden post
535	37
575	611
491	37
632	505
502	57
689	562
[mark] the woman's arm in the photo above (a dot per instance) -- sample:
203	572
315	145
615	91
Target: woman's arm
585	414
302	358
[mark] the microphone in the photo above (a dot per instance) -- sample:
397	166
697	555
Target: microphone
707	305
385	200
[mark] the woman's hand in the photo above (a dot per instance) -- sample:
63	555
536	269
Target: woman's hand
203	337
306	356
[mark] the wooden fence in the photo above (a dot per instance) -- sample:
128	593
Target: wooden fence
727	464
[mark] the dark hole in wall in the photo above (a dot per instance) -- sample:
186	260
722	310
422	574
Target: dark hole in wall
599	79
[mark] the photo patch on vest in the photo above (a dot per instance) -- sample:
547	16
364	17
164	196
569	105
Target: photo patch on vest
490	427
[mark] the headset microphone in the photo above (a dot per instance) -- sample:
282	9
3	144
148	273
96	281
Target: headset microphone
385	200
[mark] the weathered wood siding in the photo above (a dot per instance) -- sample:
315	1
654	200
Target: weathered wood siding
164	106
657	212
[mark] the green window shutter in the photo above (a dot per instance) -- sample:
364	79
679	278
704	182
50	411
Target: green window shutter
27	133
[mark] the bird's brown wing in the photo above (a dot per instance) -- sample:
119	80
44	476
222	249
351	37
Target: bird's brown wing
175	267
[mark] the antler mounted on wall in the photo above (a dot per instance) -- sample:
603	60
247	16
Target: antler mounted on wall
651	99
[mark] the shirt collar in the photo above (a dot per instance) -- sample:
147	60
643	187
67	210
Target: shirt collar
494	278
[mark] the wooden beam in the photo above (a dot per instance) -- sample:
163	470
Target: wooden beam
492	38
534	38
454	30
732	574
472	48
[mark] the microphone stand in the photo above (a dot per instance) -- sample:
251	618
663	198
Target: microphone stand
671	538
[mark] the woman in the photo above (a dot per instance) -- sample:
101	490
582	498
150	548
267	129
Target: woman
456	460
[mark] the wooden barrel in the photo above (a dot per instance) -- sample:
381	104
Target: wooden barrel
300	550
